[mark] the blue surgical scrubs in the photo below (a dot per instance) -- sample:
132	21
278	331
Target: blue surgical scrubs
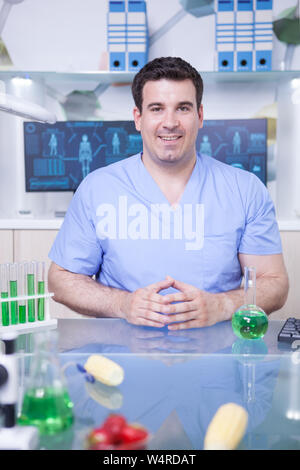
121	228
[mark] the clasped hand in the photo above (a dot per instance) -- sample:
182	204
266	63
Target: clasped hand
190	307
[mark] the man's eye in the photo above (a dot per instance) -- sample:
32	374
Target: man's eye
184	108
156	109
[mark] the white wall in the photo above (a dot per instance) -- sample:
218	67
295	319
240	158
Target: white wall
70	35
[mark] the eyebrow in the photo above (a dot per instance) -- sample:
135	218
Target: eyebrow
181	103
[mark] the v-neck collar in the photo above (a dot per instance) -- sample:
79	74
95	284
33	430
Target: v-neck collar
152	192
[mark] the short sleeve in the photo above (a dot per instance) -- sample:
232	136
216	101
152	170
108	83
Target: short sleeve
76	247
261	234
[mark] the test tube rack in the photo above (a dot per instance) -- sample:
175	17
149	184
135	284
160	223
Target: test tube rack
24	300
32	324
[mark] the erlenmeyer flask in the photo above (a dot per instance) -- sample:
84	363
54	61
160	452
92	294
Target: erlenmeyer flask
46	401
249	321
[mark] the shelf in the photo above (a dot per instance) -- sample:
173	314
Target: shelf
274	76
106	77
53	77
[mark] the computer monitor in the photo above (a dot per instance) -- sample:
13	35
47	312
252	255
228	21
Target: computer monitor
239	142
59	156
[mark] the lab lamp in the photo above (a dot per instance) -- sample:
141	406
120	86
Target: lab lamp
25	109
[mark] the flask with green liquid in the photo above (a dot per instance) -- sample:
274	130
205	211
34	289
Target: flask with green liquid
249	321
46	401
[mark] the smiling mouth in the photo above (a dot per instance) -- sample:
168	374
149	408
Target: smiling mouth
169	138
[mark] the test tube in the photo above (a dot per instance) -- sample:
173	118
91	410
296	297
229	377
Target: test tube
13	291
30	276
40	273
22	291
4	277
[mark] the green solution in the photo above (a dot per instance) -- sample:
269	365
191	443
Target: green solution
48	408
41	302
22	313
250	323
31	302
13	304
5	309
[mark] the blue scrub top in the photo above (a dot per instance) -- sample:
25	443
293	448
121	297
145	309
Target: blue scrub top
120	227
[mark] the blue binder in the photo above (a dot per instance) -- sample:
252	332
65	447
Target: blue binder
263	34
244	35
225	35
137	34
116	35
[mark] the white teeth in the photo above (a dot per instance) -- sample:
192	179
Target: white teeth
170	138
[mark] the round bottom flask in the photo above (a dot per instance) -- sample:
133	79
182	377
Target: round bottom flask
249	322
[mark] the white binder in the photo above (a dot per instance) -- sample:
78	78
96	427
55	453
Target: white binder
225	35
263	35
116	35
244	27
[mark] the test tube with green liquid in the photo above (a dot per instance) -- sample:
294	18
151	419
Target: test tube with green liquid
30	276
4	278
13	291
22	292
40	273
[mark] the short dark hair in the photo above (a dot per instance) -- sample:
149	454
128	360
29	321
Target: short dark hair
170	68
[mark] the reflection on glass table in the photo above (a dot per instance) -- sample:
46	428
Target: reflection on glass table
175	382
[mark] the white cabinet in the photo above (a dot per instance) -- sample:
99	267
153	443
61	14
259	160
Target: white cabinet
6	246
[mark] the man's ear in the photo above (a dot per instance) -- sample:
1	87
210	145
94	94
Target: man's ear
200	114
137	118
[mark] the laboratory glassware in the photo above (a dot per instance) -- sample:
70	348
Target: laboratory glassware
249	321
13	292
46	402
4	278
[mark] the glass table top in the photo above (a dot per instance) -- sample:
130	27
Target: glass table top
174	382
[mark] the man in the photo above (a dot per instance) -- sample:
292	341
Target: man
167	233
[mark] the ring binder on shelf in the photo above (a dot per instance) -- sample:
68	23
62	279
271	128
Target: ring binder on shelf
116	35
225	35
244	36
127	35
263	34
137	37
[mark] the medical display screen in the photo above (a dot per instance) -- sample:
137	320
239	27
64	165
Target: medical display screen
59	156
240	143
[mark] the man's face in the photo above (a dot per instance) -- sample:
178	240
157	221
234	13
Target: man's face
169	121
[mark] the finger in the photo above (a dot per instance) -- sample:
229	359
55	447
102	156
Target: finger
182	286
157	286
152	307
179	308
178	297
156	298
152	316
183	317
143	321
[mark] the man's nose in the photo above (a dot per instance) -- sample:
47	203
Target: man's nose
170	120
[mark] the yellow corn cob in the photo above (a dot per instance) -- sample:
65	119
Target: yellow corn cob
104	370
227	428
